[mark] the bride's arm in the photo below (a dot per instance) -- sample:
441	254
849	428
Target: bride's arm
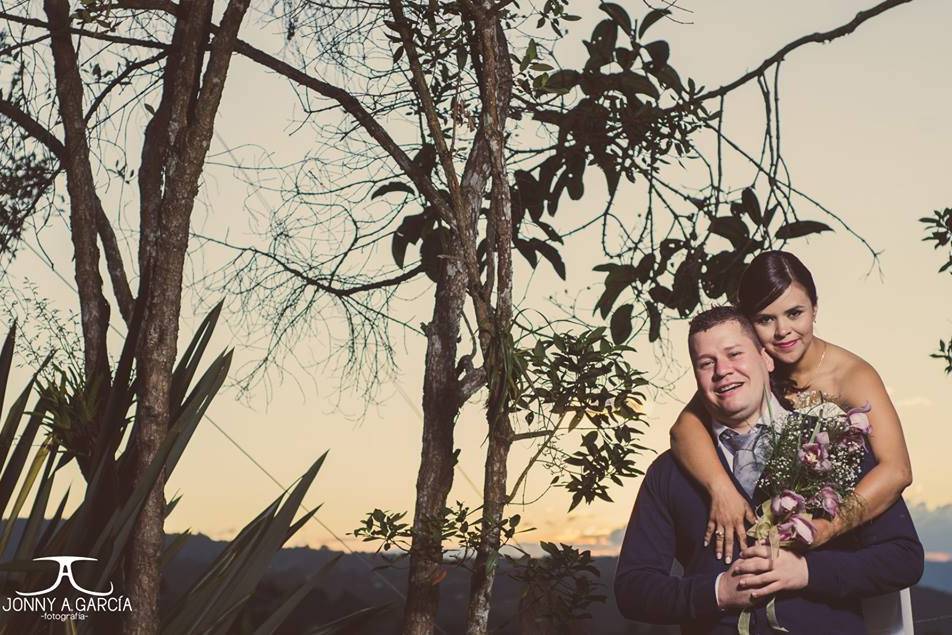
883	485
692	446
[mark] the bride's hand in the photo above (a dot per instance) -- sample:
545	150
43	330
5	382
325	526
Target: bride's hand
729	510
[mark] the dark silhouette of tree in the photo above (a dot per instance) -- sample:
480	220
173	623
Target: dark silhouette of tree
68	85
938	228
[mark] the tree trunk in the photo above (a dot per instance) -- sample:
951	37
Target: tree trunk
156	359
495	498
496	89
83	199
441	405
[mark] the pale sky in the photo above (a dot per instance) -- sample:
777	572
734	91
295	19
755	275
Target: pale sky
865	130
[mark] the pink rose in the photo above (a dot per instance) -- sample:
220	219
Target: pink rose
786	503
858	420
798	528
815	456
829	500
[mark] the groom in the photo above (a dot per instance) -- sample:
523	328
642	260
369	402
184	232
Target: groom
818	592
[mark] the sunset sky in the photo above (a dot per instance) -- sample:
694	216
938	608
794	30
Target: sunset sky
866	131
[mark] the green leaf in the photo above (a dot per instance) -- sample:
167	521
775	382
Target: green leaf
653	16
532	54
618	279
621	323
751	205
550	253
731	228
392	186
563	80
398	248
618	14
654	322
659	51
431	251
576	419
800	228
633	83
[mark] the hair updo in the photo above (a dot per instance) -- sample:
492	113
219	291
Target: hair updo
767	277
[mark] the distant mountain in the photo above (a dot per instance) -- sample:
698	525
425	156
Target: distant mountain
350	585
938	575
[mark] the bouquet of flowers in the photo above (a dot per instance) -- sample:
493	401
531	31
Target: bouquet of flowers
813	468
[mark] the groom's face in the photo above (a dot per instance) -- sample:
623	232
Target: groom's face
732	372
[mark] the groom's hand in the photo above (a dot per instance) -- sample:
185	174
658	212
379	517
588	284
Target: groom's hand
764	575
730	595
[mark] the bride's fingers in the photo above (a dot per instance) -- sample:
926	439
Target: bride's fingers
709	532
741	532
749	515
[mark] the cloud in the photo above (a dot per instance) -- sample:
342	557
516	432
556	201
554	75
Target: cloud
934	526
913	402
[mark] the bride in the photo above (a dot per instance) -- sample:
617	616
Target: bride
778	295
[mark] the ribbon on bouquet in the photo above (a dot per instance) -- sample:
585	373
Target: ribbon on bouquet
743	622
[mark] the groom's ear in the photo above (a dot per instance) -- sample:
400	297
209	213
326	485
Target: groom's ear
768	360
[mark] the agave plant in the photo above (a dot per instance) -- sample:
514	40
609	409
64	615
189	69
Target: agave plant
86	424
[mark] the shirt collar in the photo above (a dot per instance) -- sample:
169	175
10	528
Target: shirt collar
775	408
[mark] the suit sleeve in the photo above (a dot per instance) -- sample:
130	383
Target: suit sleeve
889	557
645	590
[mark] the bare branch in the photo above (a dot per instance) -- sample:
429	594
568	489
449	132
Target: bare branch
94	309
422	90
815	38
33	127
104	228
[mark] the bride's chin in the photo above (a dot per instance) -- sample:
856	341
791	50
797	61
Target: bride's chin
787	357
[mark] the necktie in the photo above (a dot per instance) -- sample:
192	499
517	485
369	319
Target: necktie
748	450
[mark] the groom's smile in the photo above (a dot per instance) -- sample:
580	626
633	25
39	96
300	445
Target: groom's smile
732	372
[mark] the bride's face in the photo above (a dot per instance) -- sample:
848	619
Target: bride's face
785	326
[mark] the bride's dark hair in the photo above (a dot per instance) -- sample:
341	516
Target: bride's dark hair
765	279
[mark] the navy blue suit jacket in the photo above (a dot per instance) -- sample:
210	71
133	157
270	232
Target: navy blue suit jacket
668	524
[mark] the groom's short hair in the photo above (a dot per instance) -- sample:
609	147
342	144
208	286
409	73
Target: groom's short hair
706	320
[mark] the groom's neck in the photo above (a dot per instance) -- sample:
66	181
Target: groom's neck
743	424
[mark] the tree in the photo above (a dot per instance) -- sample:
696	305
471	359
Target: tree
938	229
175	141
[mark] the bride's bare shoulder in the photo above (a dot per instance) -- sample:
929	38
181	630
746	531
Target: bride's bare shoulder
853	376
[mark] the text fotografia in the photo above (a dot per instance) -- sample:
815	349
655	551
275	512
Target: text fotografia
76	607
